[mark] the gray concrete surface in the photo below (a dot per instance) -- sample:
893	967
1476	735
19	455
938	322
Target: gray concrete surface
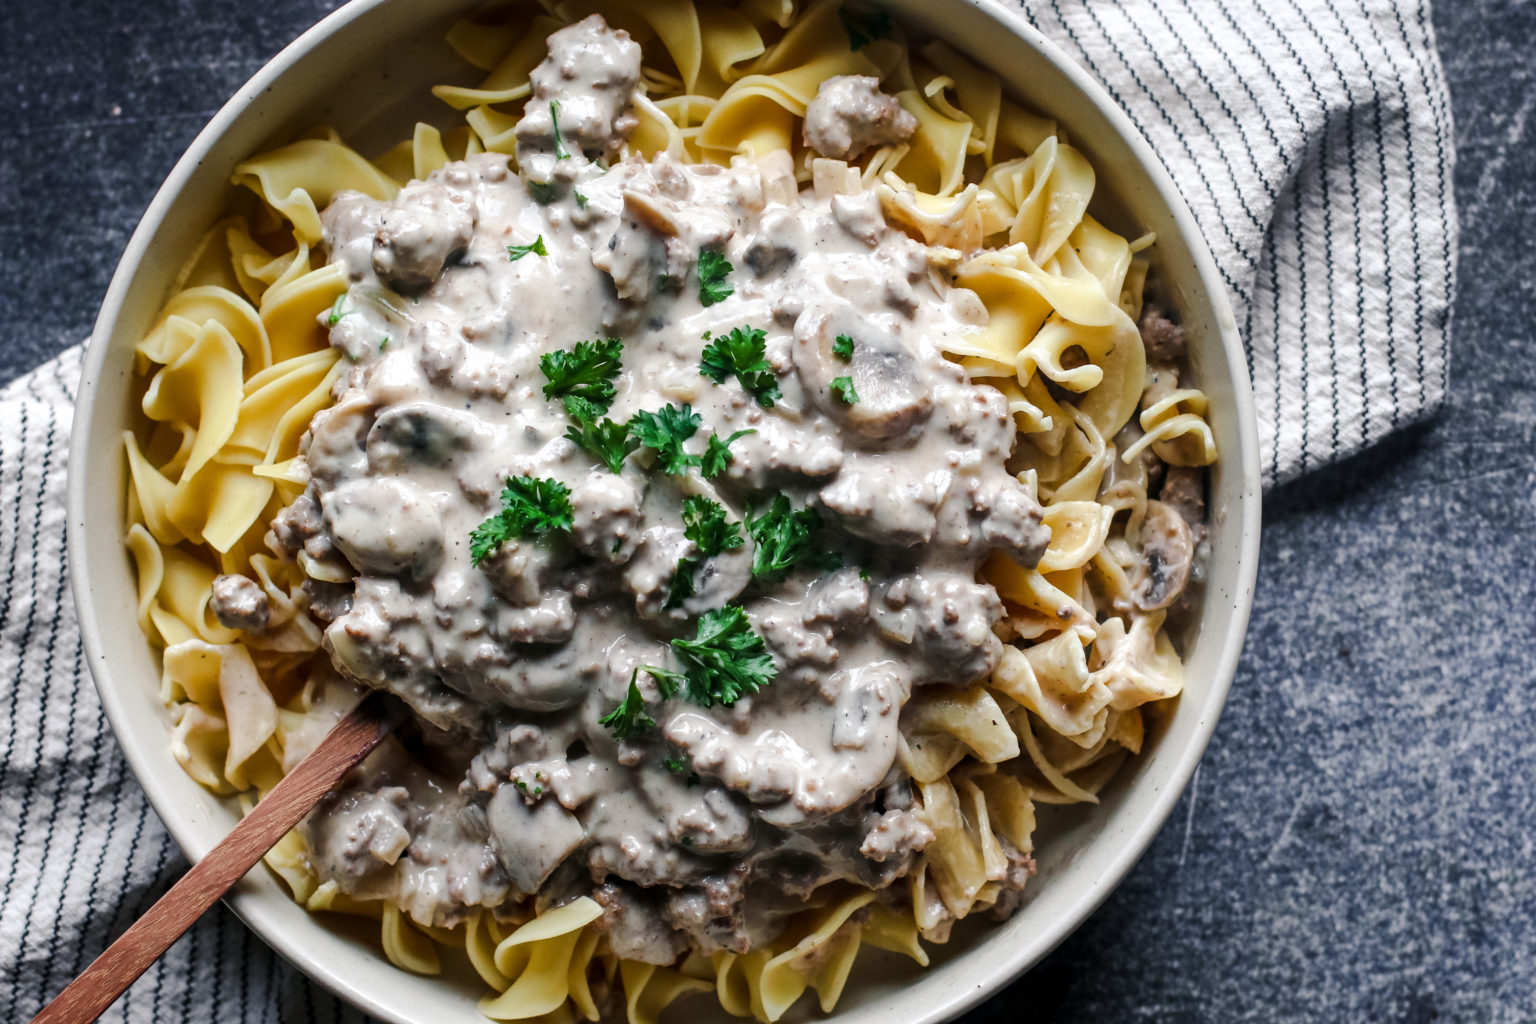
1358	843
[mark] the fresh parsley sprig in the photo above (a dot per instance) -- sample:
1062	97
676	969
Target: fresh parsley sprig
664	432
742	352
842	347
517	252
681	588
714	268
582	378
529	506
608	442
725	660
784	537
717	454
667	681
842	387
629	717
704	523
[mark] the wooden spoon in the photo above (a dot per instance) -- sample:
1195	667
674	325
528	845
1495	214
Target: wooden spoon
120	964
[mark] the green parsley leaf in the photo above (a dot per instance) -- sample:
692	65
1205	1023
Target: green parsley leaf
608	442
864	28
842	347
725	660
629	717
783	536
713	270
667	681
705	524
864	573
529	506
583	409
384	344
664	431
543	192
581	200
681	588
842	387
717	454
561	153
517	252
336	311
742	352
586	374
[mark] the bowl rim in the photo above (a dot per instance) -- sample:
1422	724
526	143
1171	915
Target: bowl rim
251	906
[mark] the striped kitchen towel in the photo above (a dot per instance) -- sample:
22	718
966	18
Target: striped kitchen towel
1313	141
82	854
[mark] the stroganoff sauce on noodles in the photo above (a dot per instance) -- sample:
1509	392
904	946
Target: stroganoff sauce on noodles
746	534
854	522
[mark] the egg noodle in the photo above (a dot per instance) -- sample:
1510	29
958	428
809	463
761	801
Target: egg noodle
238	363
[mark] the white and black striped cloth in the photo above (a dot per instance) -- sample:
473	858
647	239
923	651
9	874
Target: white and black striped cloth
1313	140
82	855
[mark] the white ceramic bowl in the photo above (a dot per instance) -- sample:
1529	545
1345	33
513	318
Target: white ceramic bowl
365	70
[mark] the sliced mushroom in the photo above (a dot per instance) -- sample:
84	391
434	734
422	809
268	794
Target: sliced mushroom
421	434
719	580
634	257
531	841
656	212
337	438
1166	551
892	395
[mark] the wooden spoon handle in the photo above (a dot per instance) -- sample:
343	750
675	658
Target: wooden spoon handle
120	964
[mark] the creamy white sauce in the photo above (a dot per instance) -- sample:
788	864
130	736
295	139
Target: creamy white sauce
511	785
